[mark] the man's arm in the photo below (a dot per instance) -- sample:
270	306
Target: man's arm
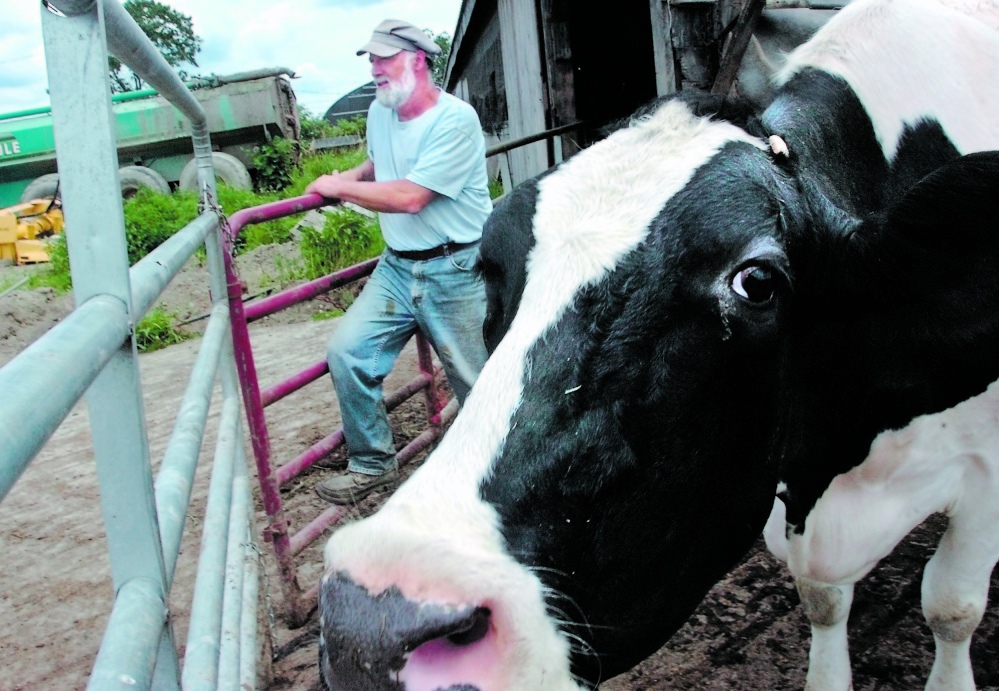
357	185
364	171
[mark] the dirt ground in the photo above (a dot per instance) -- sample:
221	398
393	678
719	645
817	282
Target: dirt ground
55	593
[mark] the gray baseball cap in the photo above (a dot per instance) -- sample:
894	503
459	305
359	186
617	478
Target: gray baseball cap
394	35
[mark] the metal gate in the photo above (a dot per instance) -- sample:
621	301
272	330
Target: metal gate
93	352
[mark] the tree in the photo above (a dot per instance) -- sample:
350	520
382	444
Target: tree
440	61
169	30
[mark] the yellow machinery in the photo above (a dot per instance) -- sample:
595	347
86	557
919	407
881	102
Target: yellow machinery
24	229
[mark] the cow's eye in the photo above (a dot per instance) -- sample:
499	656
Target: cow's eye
754	283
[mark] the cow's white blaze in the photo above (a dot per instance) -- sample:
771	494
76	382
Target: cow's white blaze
939	61
435	539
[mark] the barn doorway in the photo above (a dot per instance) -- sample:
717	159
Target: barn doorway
601	66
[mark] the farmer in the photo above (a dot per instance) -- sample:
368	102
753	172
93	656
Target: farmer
426	176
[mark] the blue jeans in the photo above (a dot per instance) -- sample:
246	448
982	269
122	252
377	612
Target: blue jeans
441	297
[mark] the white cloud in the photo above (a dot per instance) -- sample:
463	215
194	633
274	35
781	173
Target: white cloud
316	38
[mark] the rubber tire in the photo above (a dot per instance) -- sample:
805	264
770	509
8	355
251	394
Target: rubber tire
42	187
134	177
228	169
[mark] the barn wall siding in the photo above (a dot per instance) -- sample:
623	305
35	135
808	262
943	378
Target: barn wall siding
555	17
665	60
524	87
486	82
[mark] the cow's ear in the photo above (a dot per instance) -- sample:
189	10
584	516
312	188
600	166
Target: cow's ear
944	227
924	284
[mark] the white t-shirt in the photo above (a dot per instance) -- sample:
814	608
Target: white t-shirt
443	150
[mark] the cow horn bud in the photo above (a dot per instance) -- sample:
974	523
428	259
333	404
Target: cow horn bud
779	146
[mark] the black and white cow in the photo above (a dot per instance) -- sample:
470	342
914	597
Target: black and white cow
685	319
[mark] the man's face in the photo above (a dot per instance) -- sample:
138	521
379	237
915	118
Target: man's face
395	78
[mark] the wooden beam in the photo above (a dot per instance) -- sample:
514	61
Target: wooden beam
662	46
524	89
695	45
805	4
736	46
464	18
561	88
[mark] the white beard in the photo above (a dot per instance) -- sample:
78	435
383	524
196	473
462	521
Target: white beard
394	94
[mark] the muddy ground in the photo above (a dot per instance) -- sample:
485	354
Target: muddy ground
748	634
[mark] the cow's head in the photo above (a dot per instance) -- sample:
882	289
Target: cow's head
652	304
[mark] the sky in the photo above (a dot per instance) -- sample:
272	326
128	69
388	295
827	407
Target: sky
318	39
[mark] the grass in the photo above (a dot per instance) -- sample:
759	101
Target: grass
495	188
8	281
314	165
56	272
288	273
323	316
151	218
345	239
156	330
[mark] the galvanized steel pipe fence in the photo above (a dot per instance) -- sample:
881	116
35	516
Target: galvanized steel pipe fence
93	352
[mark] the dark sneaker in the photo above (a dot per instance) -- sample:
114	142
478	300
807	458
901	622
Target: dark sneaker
352	487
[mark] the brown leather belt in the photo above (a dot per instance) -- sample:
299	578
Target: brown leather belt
433	252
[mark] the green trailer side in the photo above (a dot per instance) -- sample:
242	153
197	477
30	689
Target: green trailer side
243	111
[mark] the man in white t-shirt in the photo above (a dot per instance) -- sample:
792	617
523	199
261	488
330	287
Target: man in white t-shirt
426	176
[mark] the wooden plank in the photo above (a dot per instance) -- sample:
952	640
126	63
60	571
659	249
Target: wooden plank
482	73
524	88
736	47
662	46
561	87
467	9
805	4
695	44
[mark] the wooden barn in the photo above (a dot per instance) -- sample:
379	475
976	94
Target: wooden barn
527	66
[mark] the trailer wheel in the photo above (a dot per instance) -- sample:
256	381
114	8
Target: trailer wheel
43	187
228	169
134	177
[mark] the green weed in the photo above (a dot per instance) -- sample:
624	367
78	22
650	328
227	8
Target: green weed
357	125
151	218
311	126
289	271
56	272
323	316
495	188
275	162
345	239
314	165
156	330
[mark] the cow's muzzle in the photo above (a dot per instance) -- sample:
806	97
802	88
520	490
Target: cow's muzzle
366	641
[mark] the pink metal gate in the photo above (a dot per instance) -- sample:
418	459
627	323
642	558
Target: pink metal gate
287	545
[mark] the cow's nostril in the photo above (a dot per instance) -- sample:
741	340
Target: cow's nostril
475	631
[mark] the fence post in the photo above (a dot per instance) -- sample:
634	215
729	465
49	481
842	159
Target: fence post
84	129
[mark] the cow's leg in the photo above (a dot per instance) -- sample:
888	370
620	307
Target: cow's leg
775	531
827	608
956	580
